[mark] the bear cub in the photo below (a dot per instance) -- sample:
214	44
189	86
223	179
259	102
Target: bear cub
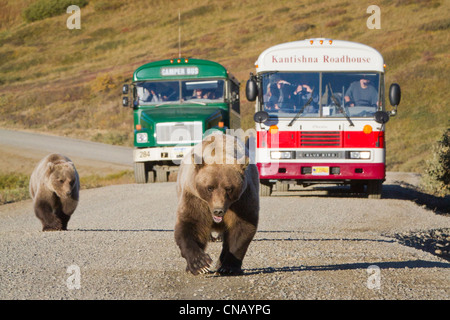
54	189
218	190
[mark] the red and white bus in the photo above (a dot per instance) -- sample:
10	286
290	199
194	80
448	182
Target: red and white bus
320	115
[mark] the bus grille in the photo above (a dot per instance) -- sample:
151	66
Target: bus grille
320	139
179	132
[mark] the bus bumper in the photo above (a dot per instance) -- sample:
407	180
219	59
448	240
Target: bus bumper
322	171
174	154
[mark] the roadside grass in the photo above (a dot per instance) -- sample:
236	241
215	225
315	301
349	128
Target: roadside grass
96	181
68	81
14	186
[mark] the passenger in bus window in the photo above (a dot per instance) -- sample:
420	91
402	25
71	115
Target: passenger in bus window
154	97
361	93
301	95
207	95
281	83
143	94
285	91
271	97
148	94
197	94
285	102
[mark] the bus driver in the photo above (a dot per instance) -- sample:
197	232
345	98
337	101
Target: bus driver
361	93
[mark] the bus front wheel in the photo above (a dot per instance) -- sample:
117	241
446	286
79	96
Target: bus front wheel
140	172
374	188
265	190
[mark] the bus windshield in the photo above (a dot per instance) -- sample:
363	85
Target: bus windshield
158	92
203	91
190	91
321	94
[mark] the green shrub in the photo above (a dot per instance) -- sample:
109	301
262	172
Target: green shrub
437	174
43	9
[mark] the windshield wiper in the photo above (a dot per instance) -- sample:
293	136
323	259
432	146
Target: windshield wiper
303	108
339	106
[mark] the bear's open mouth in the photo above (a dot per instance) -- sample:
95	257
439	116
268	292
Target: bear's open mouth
217	219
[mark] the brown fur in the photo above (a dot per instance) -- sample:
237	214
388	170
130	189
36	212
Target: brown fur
54	188
227	192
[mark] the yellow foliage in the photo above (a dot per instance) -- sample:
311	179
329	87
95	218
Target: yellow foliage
103	83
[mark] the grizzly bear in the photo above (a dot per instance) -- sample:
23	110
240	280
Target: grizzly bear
218	190
54	188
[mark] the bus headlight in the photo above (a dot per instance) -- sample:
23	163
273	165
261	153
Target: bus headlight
141	137
359	155
281	155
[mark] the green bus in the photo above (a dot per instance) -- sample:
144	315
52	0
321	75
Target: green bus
175	103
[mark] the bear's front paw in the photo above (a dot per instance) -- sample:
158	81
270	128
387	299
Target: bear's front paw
229	271
199	263
53	227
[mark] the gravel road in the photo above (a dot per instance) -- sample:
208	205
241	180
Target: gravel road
120	245
311	247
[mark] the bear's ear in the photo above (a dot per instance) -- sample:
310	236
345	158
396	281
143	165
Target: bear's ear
50	166
244	165
197	160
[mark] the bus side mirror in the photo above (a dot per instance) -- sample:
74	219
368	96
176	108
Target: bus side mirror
251	90
381	117
394	97
125	101
261	117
